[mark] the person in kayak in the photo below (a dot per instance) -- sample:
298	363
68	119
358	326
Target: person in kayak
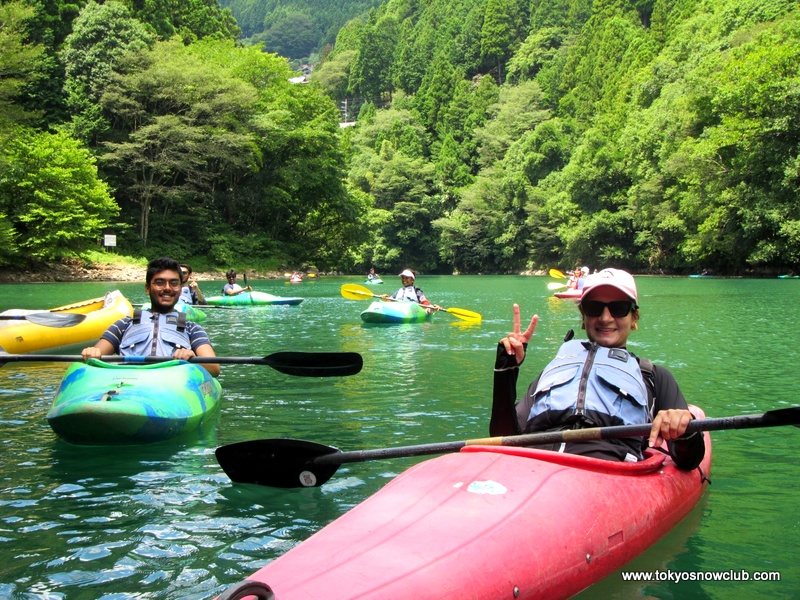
410	292
232	288
595	383
190	291
160	331
372	275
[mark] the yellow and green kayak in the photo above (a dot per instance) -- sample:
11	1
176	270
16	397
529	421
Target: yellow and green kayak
395	312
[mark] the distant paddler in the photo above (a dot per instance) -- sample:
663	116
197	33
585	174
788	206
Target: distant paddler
409	292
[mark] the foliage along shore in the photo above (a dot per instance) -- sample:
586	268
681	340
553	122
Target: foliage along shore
76	271
497	136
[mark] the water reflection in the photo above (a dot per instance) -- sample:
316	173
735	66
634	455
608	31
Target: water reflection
163	521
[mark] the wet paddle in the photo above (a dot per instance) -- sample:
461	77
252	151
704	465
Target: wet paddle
553	285
48	319
352	291
557	274
303	364
203	306
288	463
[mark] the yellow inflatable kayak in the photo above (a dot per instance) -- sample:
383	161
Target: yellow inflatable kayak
80	323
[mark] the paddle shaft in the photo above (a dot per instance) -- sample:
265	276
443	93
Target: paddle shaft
304	364
769	419
289	463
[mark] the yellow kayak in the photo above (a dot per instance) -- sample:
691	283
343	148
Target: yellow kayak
84	322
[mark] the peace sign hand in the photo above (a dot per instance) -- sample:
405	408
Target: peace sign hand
514	341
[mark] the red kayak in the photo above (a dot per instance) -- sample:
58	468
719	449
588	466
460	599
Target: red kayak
571	293
491	522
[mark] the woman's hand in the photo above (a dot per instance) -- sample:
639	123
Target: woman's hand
514	341
668	425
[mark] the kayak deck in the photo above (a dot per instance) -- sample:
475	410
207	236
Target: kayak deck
491	523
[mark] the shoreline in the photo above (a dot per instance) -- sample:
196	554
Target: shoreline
78	271
75	273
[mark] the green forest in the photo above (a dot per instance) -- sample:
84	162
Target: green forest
498	136
300	30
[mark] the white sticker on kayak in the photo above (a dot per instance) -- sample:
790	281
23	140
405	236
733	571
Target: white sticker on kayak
486	487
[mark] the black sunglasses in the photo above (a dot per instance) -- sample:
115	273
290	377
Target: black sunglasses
618	308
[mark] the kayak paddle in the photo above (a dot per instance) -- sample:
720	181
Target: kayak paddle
557	274
288	463
554	285
203	306
352	291
303	364
48	319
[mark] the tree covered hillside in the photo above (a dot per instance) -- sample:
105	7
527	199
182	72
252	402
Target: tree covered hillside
148	121
650	134
294	28
498	136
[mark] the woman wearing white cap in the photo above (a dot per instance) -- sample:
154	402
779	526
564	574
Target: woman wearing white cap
595	383
409	292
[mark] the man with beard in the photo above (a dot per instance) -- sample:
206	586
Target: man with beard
160	331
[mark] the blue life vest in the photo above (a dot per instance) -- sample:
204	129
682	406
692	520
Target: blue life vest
186	295
585	379
155	334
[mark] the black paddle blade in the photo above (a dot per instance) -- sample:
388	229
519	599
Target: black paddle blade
783	416
48	319
316	364
279	462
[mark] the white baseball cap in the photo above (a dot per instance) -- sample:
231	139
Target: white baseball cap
407	273
616	278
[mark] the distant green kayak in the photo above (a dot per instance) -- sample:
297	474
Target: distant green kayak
192	313
103	403
395	312
251	299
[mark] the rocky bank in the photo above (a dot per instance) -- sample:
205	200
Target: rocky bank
77	270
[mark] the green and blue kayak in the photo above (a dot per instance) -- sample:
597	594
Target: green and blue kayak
252	299
103	403
395	312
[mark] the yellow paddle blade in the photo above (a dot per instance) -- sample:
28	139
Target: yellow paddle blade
466	315
353	291
554	285
557	274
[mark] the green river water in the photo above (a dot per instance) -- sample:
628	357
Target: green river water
163	521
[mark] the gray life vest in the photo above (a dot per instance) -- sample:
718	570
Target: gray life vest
186	295
408	293
154	334
586	378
